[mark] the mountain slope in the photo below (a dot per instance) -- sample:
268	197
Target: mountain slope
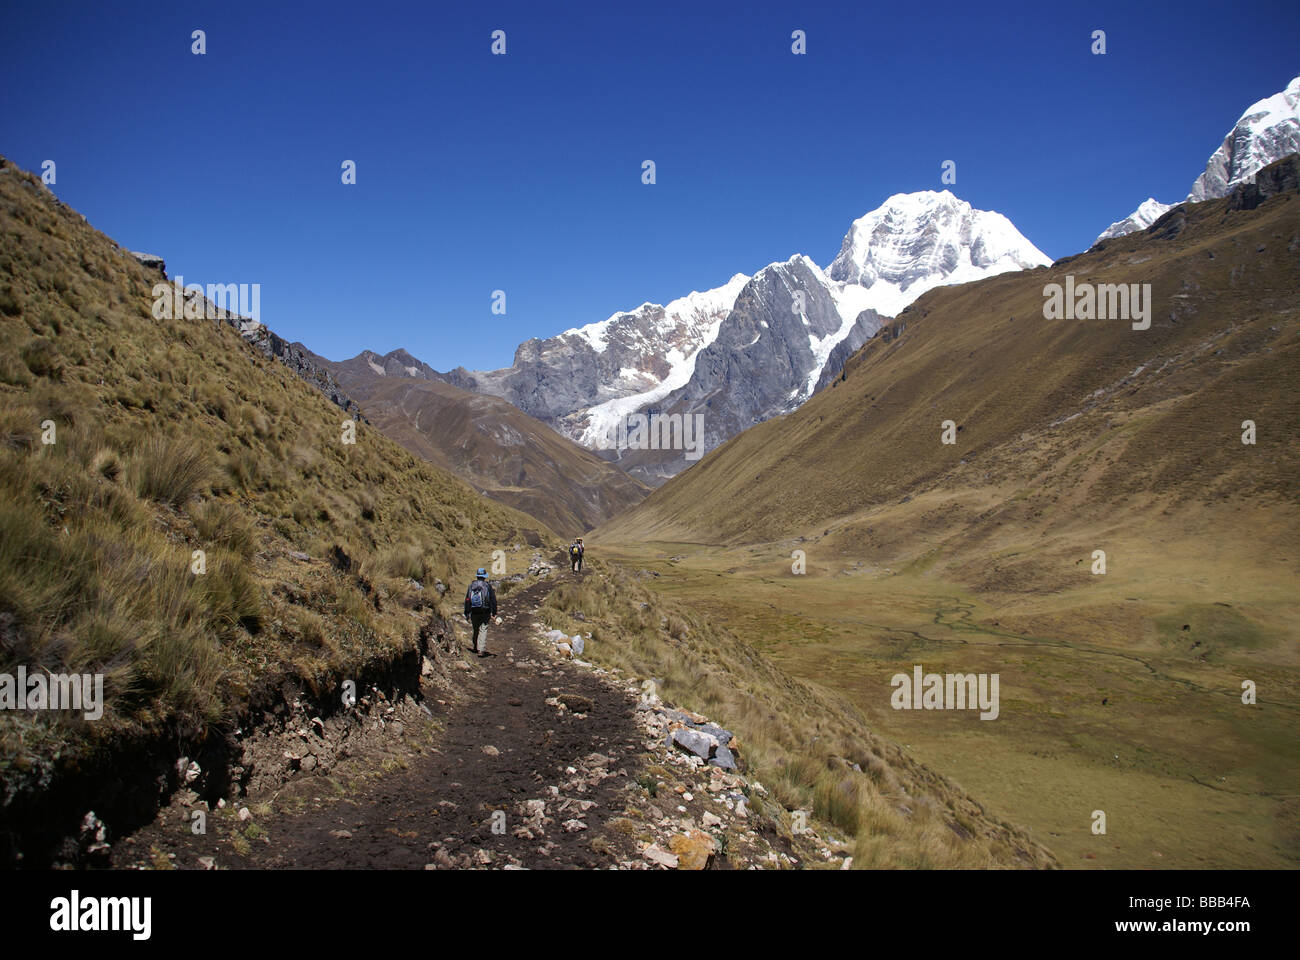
503	452
755	347
1097	536
765	360
1025	390
1268	131
177	436
774	348
129	443
639	354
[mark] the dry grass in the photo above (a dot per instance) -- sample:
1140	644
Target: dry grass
800	740
512	457
1058	419
1076	436
170	470
172	437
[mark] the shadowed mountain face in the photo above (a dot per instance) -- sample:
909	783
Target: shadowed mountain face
765	361
1162	409
486	441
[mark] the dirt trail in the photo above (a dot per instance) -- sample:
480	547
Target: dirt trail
502	745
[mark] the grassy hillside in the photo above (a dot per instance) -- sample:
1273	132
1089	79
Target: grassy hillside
502	451
1071	414
807	745
171	437
847	543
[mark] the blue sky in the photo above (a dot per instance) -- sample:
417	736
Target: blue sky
523	172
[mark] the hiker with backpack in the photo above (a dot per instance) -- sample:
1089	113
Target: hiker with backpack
575	555
480	608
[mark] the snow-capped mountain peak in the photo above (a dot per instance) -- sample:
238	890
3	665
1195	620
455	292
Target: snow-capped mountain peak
1148	212
1268	131
695	309
756	346
916	241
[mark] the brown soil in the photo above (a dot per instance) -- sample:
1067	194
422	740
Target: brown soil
430	799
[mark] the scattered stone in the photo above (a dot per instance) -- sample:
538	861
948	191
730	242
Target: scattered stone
693	849
491	751
442	860
657	854
724	759
700	744
713	730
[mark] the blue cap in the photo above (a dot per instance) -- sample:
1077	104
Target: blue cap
482	573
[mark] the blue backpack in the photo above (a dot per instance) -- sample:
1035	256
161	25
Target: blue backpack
478	595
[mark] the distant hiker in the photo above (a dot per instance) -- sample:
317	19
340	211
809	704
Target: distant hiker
575	555
480	607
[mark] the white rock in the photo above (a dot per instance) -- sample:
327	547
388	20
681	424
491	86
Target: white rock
657	854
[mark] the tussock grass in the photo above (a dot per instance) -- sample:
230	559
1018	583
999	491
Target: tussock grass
800	740
173	437
42	358
169	470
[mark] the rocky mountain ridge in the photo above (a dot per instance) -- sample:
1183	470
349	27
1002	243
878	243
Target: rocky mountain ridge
754	348
1268	131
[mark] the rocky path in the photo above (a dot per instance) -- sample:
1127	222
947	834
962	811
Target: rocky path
467	802
486	790
523	760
